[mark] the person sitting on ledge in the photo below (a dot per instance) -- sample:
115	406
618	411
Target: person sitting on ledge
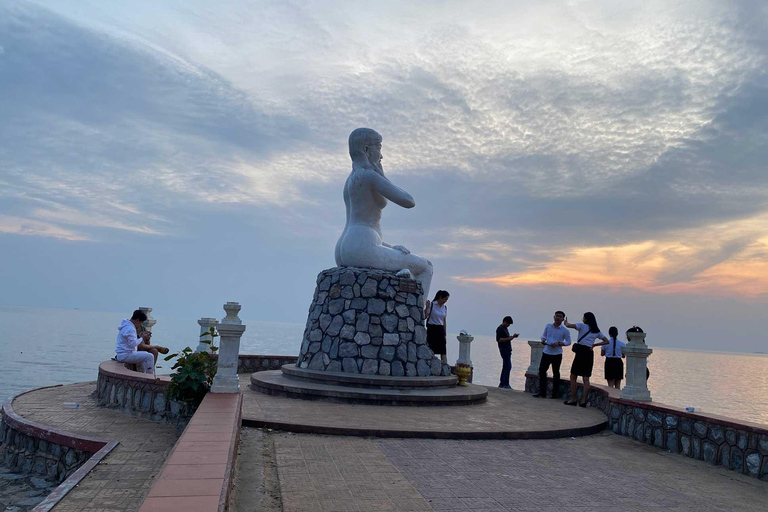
133	346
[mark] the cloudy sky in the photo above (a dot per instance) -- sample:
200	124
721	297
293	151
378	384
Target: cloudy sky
599	156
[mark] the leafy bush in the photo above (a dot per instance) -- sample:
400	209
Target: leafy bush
193	372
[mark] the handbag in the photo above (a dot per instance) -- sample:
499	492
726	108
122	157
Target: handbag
580	348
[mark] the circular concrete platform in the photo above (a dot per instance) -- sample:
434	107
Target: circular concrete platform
297	383
506	414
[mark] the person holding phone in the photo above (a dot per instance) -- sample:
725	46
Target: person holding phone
504	340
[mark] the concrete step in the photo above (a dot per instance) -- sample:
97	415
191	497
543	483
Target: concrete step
367	381
275	383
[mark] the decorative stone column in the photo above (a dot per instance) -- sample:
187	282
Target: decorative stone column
465	342
637	353
149	322
205	333
536	350
230	331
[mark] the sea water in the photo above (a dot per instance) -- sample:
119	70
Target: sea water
44	347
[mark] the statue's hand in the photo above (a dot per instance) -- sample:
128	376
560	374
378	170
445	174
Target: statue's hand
401	249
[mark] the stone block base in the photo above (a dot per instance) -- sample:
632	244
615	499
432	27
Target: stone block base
370	322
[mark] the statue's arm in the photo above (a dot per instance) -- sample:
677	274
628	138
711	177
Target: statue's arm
392	192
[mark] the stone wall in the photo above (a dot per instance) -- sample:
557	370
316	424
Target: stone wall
739	446
367	321
138	394
27	454
249	363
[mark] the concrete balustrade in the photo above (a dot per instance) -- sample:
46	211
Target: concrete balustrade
536	351
637	353
230	331
149	322
205	334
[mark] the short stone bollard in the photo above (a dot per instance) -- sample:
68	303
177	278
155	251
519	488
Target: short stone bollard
536	351
149	322
464	367
230	331
205	333
637	353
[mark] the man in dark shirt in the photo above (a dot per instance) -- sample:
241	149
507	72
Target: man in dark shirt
505	349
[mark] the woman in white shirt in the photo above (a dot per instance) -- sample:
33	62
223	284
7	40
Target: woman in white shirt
436	313
585	356
614	353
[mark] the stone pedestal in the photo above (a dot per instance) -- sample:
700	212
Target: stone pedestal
205	333
370	322
149	322
230	331
465	343
536	351
637	353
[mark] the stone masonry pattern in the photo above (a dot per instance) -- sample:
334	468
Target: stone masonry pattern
370	322
28	455
740	450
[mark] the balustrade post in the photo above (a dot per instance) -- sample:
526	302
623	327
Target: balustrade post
536	351
637	353
205	333
230	331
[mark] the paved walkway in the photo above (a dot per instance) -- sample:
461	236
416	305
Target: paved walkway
597	473
505	412
123	479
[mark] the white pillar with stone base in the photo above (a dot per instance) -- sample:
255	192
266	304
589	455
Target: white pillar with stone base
536	351
465	343
637	353
149	322
205	334
230	331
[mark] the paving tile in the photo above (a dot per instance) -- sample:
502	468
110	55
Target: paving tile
193	471
174	504
198	458
202	446
181	488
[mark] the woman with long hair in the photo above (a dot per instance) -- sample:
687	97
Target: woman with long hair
436	313
585	357
614	353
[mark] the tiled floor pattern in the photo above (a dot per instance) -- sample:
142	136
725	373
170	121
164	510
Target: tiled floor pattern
599	473
122	480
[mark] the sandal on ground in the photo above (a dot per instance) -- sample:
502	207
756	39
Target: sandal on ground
569	403
162	350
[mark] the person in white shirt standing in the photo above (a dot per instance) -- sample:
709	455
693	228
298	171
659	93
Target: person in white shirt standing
613	352
554	338
585	356
134	348
436	313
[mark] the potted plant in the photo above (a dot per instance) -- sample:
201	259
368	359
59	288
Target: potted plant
192	376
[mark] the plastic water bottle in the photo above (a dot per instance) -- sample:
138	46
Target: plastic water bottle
70	405
690	409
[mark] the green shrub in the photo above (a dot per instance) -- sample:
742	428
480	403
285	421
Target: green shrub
193	372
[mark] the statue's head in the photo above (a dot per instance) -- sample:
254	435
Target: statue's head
364	144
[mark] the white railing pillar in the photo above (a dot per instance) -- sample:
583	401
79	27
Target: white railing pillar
149	322
536	351
465	344
230	331
637	353
205	334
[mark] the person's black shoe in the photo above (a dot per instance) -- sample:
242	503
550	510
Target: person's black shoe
570	403
537	395
583	404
